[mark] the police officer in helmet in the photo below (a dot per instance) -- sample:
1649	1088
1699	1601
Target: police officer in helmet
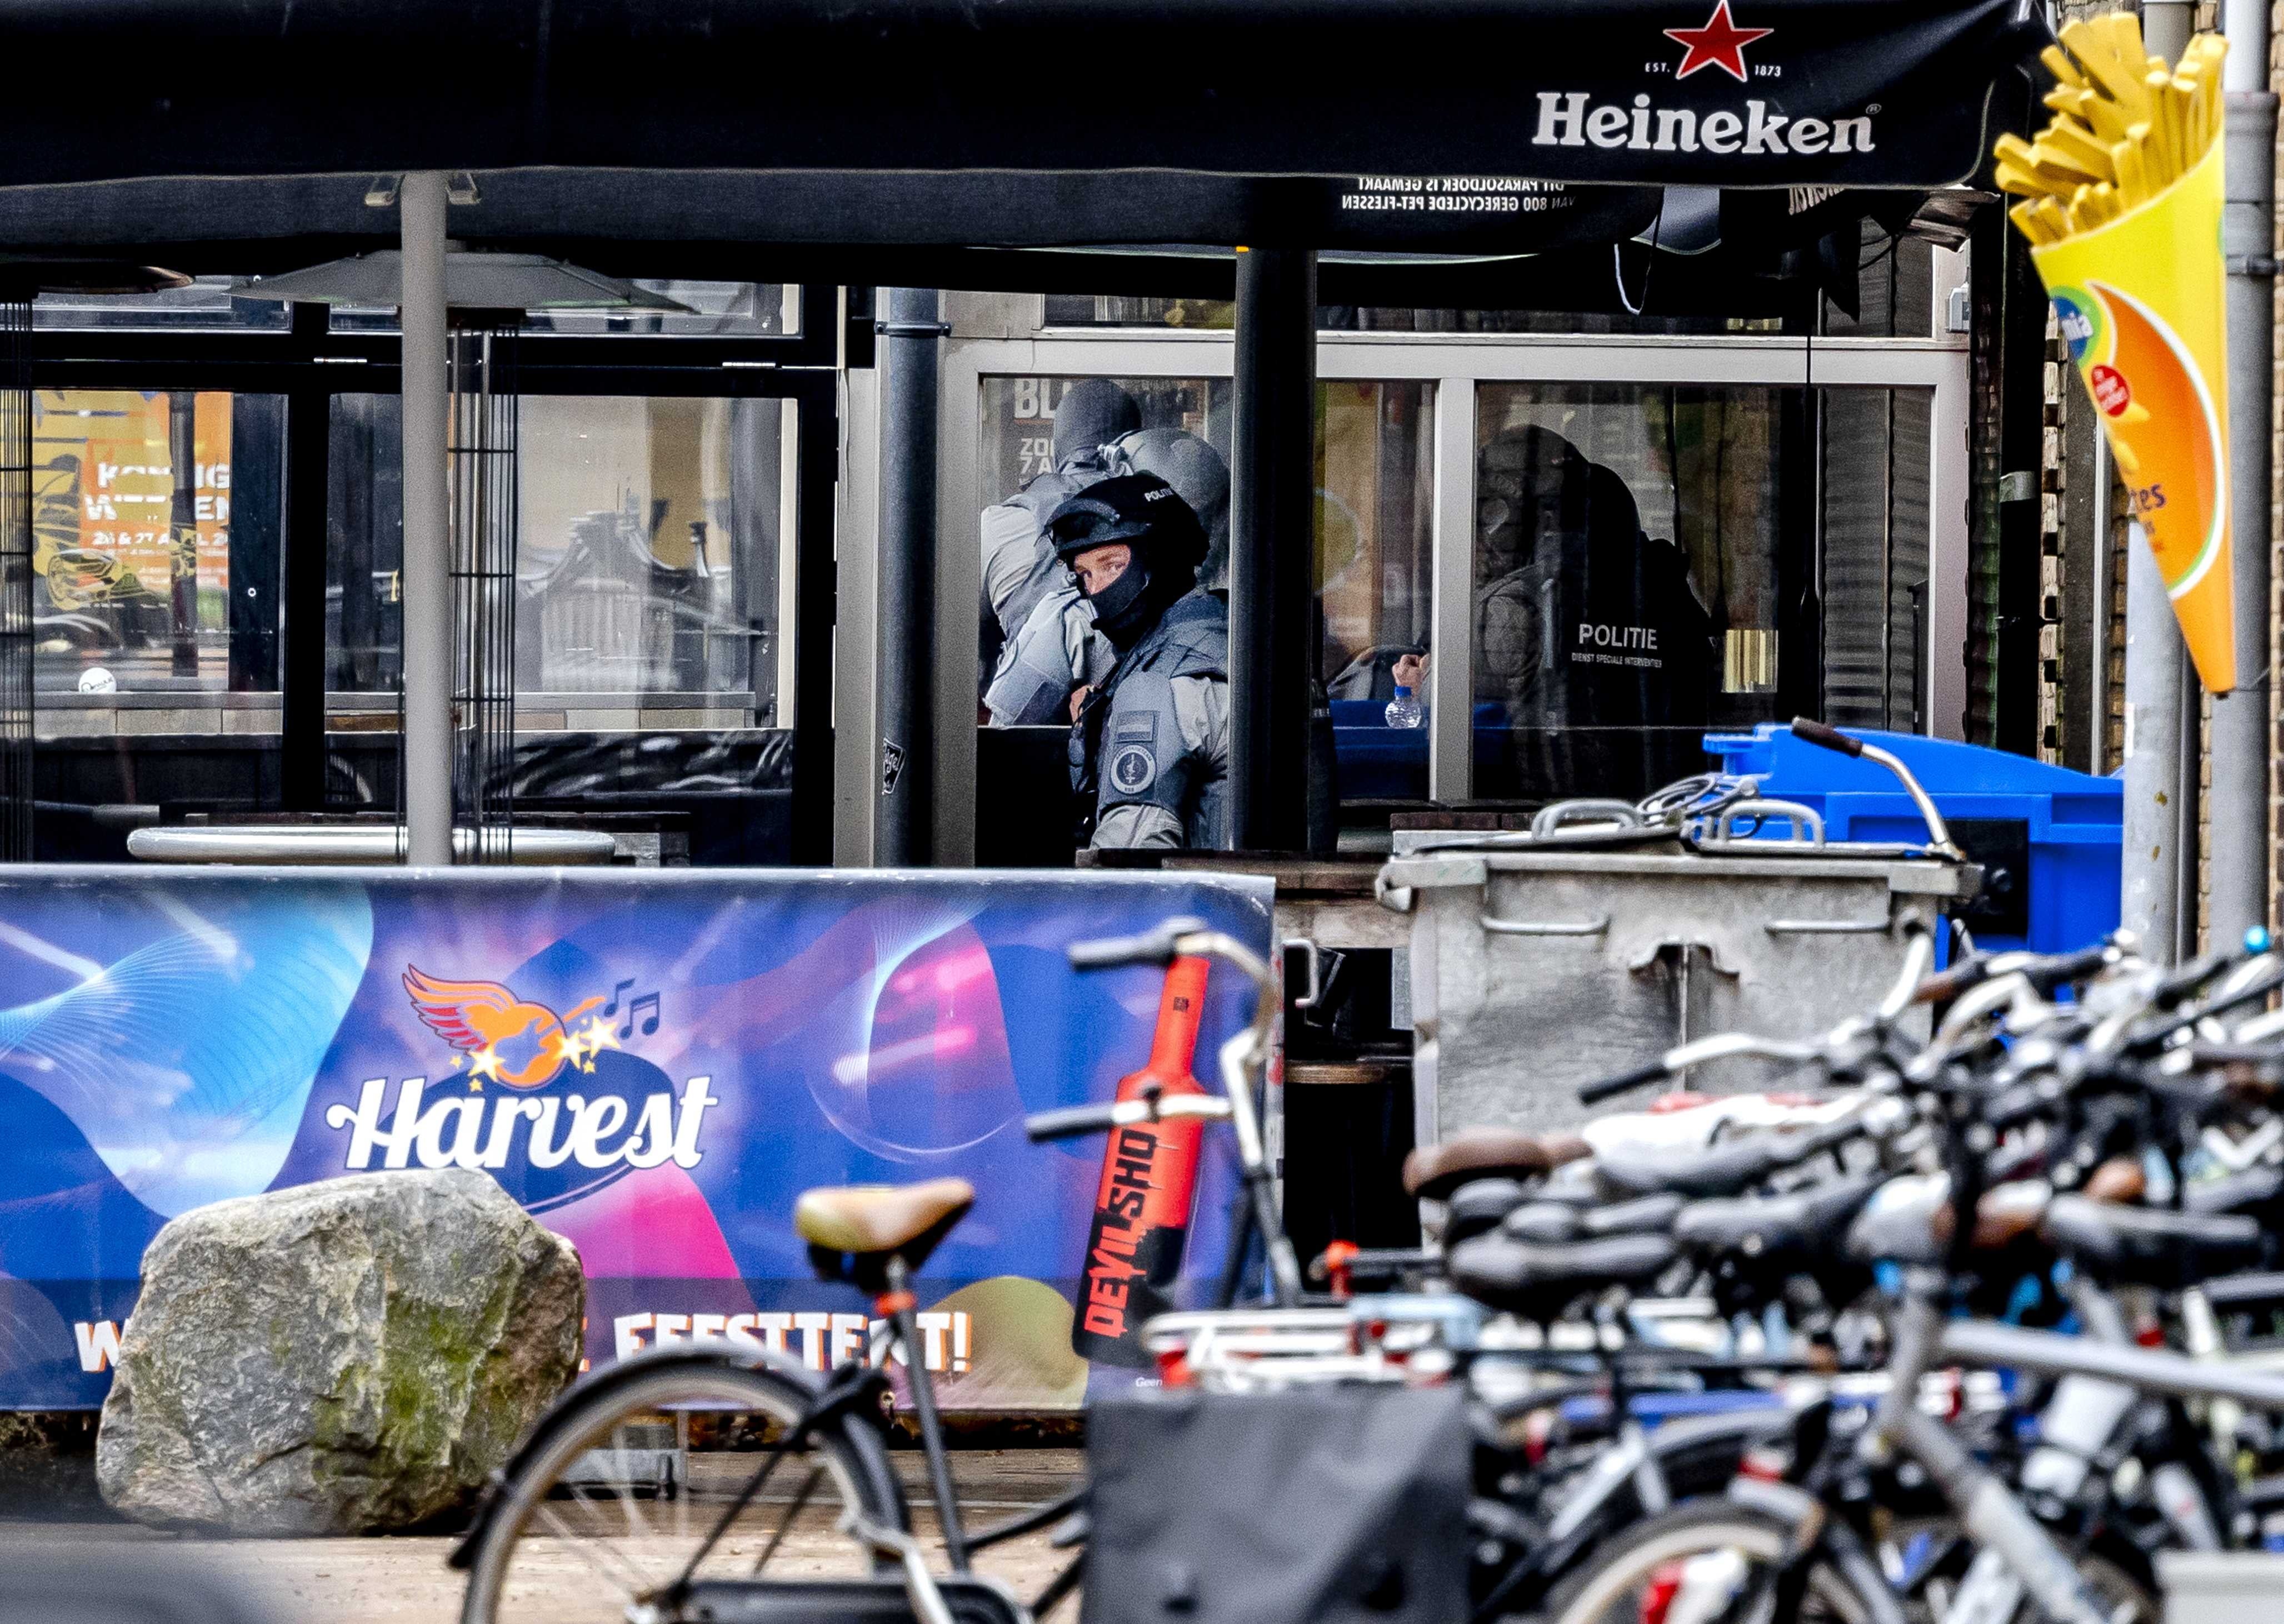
1149	748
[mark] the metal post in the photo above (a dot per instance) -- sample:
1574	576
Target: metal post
302	663
905	768
427	599
1273	547
18	638
2166	26
2238	822
2159	688
183	531
2156	665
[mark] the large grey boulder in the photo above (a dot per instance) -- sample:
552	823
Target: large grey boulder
342	1357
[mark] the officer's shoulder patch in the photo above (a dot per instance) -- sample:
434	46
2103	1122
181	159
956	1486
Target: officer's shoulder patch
1133	768
1132	727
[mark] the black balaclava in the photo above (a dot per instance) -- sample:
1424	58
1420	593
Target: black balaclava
1094	412
1129	607
1147	516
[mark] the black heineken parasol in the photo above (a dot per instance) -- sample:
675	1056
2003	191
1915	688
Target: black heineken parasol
1365	92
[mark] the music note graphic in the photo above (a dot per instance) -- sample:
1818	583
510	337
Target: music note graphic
645	1001
612	1007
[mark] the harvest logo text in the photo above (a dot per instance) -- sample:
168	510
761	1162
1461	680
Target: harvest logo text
524	1046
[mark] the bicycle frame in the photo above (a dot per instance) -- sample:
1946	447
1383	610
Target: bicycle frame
1988	1509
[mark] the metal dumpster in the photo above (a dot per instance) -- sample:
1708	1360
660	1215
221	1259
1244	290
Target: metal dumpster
2219	1587
1533	971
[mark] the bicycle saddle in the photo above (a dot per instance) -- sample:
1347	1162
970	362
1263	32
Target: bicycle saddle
1477	1205
2253	1189
1550	1222
1432	1172
852	1230
2148	1245
1719	1170
1806	1223
1539	1282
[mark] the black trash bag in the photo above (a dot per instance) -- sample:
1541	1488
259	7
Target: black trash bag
1332	1505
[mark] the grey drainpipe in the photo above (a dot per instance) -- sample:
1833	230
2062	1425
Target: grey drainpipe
2240	845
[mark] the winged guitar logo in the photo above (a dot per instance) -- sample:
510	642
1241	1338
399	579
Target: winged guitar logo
504	1038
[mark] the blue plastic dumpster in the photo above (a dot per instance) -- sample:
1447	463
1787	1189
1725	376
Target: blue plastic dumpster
2049	839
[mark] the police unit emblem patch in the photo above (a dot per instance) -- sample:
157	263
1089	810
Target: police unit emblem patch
1134	770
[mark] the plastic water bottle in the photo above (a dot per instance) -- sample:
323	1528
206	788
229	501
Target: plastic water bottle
1403	711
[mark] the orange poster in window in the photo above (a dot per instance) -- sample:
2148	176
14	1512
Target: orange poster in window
103	491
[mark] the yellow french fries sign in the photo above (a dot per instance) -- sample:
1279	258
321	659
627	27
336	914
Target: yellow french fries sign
2142	301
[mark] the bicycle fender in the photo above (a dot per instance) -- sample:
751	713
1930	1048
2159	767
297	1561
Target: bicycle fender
464	1554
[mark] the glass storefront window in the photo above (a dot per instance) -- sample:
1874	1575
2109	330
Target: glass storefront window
1652	562
1375	511
648	548
156	517
1033	645
1876	520
1117	310
1022	470
1374	526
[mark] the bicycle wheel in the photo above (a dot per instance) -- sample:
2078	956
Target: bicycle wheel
1704	1561
622	1488
1934	1556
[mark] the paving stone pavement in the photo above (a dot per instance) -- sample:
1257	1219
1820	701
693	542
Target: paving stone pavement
399	1580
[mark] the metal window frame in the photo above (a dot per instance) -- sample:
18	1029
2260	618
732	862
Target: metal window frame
309	365
1456	363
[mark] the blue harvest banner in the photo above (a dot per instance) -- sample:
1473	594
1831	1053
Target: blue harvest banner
654	1062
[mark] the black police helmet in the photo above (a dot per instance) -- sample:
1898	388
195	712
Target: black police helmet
1141	511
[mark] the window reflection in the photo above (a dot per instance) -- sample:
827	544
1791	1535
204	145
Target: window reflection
1373	518
136	503
1037	448
1590	639
647	571
1653	562
1375	507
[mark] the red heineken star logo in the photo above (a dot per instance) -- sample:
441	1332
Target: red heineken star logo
1720	43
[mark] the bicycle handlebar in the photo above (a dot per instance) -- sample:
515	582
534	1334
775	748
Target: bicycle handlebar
1720	1046
1160	946
1076	1121
1824	736
1069	1123
2043	972
1595	1093
1828	738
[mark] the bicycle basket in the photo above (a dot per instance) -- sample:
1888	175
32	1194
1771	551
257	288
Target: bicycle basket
1322	1506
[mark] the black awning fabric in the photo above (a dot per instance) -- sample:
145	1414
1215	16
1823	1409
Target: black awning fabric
1864	93
1090	234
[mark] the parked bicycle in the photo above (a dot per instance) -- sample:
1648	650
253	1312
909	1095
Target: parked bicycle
714	1484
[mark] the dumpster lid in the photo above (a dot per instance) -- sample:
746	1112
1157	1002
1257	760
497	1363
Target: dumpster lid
1910	875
